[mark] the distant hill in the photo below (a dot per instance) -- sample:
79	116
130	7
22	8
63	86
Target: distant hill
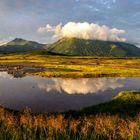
20	45
75	46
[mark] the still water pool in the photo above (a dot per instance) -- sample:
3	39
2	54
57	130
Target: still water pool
60	94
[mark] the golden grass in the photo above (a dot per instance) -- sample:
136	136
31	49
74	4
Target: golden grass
27	126
77	66
57	127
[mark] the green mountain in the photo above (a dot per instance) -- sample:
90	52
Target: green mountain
20	45
74	46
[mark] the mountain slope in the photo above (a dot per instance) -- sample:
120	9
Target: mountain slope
74	46
20	45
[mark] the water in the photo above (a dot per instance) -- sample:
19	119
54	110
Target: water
59	94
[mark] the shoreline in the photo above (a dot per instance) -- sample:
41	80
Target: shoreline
90	110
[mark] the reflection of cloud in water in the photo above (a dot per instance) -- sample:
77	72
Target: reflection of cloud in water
5	75
81	86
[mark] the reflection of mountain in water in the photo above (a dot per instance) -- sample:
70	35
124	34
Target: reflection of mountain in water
81	86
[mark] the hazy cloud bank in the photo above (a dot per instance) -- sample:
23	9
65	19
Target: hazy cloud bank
84	30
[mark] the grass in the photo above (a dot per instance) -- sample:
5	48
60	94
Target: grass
124	104
76	66
100	124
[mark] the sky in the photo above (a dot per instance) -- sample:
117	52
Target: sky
47	20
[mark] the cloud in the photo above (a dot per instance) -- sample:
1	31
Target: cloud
3	41
107	3
84	30
81	86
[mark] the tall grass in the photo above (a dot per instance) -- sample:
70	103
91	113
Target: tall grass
26	126
61	126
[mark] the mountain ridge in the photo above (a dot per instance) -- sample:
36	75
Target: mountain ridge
18	45
76	46
73	46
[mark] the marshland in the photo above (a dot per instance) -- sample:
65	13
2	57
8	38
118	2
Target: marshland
47	96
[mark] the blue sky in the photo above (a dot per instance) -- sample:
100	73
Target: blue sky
23	18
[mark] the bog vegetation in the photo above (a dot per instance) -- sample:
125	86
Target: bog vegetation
75	66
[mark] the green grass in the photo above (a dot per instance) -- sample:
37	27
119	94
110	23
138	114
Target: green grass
125	104
75	46
100	124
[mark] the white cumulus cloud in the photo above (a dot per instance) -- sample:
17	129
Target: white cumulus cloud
81	86
84	30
